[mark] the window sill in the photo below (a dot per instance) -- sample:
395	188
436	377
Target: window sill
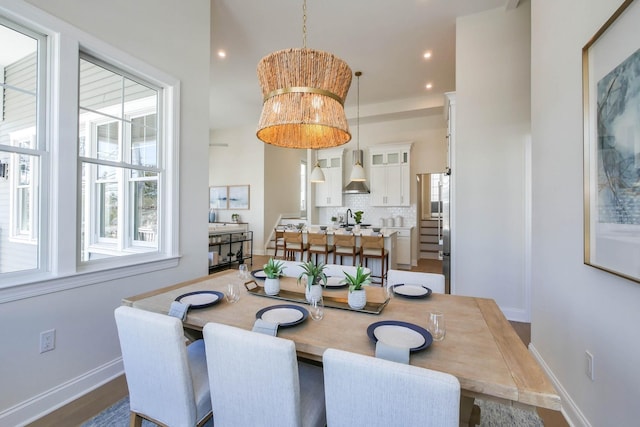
48	283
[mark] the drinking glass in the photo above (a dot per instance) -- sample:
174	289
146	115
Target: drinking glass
316	308
243	272
436	325
233	292
389	290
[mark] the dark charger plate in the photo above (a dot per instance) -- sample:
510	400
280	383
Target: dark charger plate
428	339
213	298
302	310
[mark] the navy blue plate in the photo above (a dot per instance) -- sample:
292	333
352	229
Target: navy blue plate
333	283
399	286
302	310
428	339
213	297
259	274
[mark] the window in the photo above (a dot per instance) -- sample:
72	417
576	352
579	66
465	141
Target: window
23	190
22	83
118	130
88	158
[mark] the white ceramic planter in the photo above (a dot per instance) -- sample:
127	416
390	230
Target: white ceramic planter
272	286
357	299
313	291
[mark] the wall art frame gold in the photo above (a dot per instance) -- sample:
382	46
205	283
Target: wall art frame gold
611	107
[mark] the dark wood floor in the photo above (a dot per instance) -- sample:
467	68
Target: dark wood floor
84	408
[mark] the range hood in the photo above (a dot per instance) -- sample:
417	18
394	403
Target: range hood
357	187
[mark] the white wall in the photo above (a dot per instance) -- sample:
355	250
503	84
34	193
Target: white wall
574	307
271	172
241	162
492	127
87	351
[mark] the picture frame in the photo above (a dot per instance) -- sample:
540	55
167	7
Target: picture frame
238	197
611	107
218	197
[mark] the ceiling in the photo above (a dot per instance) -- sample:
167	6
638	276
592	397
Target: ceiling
384	39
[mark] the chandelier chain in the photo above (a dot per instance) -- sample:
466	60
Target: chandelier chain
304	24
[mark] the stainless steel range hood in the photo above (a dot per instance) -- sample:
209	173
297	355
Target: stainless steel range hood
357	187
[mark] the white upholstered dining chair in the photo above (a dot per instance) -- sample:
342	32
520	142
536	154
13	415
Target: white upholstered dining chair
167	380
366	391
259	382
433	281
292	268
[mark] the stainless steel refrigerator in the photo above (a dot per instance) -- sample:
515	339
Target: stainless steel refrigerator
445	195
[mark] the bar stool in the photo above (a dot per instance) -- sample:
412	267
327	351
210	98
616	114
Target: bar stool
293	243
317	244
279	232
345	245
373	247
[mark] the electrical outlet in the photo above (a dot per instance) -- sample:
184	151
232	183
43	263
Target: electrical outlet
47	340
588	369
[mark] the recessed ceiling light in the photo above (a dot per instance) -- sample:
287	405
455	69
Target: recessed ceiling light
427	54
428	85
222	54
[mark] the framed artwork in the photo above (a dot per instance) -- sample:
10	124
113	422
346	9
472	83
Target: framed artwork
611	104
218	197
238	197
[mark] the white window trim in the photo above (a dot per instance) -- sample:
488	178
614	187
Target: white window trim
62	269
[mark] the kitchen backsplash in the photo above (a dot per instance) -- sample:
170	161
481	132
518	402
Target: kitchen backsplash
372	214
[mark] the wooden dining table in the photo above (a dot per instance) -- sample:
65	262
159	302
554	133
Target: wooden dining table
480	347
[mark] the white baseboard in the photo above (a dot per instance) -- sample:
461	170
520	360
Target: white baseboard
570	410
40	405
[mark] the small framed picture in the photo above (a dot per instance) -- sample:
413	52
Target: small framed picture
218	197
238	197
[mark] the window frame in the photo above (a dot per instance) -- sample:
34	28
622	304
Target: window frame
61	165
37	150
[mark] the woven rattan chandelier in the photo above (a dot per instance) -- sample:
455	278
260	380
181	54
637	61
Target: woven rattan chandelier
303	97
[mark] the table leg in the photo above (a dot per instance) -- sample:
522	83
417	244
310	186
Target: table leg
469	413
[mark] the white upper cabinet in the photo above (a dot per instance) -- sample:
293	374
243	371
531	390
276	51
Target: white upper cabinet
329	192
390	174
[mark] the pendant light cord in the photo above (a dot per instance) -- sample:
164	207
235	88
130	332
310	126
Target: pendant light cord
358	74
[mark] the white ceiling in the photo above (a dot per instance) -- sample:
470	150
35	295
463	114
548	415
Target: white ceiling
384	39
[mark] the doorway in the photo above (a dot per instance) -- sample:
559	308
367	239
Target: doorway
429	221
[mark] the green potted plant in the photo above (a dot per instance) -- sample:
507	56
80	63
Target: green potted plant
273	270
357	297
316	278
235	217
357	216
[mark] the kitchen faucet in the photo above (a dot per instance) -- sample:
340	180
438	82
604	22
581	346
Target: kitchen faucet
349	214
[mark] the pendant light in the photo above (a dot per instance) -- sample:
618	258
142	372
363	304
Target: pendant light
317	175
303	97
357	173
